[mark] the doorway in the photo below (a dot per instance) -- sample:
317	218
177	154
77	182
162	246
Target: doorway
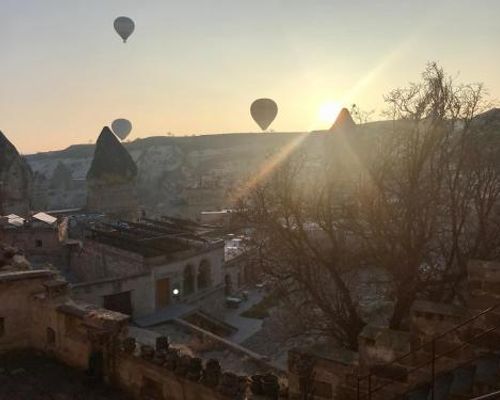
162	292
119	302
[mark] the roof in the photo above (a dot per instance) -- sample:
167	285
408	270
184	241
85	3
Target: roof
20	222
219	212
16	220
48	219
152	238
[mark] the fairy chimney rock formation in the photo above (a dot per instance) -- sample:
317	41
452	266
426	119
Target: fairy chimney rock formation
111	179
344	122
15	180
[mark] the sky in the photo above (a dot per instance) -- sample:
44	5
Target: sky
195	66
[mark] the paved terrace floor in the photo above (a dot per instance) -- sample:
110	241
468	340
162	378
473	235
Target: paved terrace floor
246	326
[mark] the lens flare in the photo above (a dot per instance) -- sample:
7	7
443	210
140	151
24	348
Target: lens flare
329	111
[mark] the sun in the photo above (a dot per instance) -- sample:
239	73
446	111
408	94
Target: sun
328	112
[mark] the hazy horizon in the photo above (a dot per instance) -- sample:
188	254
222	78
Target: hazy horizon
195	67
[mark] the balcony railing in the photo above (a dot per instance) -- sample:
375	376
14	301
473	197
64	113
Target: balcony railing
367	385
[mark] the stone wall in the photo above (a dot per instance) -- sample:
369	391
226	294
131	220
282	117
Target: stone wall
97	261
16	311
37	312
139	286
163	373
318	376
40	244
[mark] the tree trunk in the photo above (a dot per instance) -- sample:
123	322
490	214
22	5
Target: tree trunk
401	311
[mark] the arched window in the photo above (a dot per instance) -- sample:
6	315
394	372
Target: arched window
188	281
204	275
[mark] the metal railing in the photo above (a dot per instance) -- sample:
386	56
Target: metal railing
372	388
489	396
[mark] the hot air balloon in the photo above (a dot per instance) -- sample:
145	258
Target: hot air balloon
121	128
264	112
124	26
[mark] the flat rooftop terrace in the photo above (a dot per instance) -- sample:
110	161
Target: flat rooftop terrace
153	238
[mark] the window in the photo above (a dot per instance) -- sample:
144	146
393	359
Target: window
188	282
2	327
38	243
204	275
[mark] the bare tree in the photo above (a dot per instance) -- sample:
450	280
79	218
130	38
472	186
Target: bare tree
429	201
299	248
416	200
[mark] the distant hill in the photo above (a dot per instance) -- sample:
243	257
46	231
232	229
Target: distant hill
184	175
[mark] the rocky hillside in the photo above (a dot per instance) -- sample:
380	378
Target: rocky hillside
183	175
178	175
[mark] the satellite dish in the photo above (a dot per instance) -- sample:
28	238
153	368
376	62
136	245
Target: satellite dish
124	26
121	127
264	112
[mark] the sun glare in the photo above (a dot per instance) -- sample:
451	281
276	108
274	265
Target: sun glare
328	112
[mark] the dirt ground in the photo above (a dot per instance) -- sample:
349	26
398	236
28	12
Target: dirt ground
30	376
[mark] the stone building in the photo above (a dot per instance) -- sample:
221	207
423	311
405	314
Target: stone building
240	268
158	269
41	236
38	314
111	179
15	180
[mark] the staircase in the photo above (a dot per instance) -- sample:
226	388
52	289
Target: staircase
461	362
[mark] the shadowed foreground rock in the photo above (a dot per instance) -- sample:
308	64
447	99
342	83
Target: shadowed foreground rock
28	376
